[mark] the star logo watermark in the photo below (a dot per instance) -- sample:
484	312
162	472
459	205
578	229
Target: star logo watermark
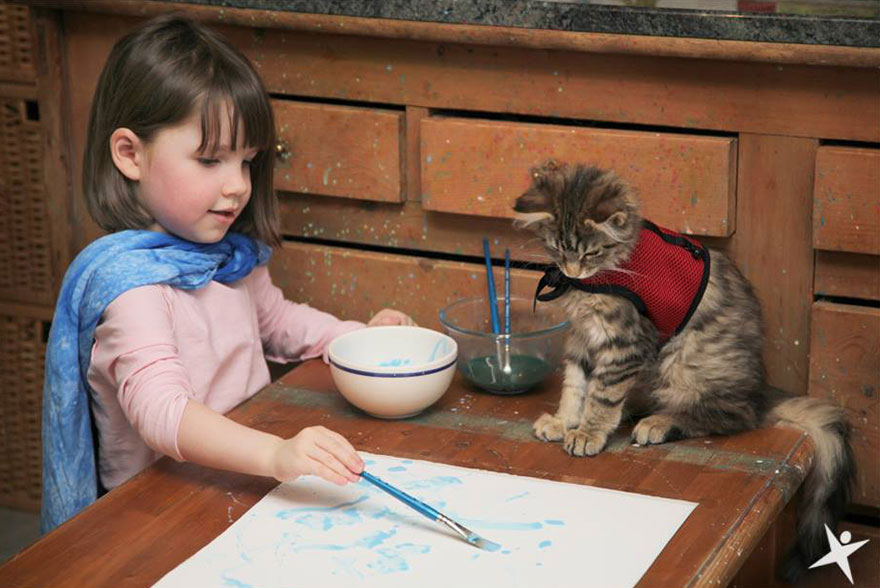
840	552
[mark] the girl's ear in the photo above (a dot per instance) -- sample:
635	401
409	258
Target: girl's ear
127	151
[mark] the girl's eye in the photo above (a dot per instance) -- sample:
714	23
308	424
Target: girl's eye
208	160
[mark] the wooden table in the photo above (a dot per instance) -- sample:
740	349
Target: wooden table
137	533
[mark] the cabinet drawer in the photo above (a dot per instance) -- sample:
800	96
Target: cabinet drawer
686	182
355	284
850	275
339	151
845	368
846	200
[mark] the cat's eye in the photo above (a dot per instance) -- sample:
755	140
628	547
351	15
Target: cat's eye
591	253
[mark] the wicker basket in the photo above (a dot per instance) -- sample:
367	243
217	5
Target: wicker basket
16	54
25	244
22	354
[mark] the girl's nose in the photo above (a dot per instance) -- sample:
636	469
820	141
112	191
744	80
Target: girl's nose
238	182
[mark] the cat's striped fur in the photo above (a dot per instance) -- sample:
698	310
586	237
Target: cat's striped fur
708	379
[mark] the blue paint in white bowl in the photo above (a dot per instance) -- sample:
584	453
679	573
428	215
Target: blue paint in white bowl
395	371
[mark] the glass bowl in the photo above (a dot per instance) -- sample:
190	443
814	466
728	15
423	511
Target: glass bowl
506	364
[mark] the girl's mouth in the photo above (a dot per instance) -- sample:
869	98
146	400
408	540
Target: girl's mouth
224	215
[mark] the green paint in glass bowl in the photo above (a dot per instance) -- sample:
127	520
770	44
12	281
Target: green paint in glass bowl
506	364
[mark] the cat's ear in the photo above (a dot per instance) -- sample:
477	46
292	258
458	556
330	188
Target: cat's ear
617	220
611	226
532	207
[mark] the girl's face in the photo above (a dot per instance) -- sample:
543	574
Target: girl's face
195	195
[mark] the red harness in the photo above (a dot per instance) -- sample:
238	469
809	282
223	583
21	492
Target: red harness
665	278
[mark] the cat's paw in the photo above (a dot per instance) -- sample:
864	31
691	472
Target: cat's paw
657	428
549	428
580	443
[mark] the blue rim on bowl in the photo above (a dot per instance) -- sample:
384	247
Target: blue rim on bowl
443	362
395	375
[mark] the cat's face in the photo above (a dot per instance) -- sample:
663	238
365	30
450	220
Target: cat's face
587	218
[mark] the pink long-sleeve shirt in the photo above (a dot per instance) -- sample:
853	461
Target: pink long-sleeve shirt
157	346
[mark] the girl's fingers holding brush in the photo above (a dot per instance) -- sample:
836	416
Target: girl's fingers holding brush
327	463
342	450
315	451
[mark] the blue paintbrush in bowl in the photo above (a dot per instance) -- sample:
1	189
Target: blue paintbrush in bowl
431	513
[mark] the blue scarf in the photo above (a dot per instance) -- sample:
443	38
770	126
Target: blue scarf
105	269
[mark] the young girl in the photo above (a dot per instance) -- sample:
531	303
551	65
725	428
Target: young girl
161	326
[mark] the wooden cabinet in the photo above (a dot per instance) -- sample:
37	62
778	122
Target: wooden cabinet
472	166
846	200
403	144
845	338
847	275
844	368
336	150
352	284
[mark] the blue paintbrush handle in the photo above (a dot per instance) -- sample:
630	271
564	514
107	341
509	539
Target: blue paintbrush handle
507	291
490	283
402	496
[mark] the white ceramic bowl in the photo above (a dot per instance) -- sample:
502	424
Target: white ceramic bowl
393	372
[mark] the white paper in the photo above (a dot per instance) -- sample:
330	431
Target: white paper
312	533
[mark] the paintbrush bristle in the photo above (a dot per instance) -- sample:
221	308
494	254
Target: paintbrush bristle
478	541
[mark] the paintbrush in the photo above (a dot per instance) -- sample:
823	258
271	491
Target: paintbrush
431	513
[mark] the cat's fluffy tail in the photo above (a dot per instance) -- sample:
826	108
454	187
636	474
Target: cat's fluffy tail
827	486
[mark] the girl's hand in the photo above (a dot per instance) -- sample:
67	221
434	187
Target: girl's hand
389	316
318	451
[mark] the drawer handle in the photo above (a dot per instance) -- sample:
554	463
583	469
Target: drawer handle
282	151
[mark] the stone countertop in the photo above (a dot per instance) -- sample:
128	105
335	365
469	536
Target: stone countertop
852	23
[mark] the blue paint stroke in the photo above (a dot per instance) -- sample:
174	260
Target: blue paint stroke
396	362
397	469
435	482
544	544
439	347
381	514
286	514
521	495
227	581
554	522
377	538
407	461
318	547
347	517
413	548
389	562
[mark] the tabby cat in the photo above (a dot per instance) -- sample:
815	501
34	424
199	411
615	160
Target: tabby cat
662	327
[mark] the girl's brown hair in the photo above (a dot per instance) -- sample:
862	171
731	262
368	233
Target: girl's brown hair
157	76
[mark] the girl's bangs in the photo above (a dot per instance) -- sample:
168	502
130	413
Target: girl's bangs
246	110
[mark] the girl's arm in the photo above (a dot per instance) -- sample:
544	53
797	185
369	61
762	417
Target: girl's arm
291	331
135	363
210	439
